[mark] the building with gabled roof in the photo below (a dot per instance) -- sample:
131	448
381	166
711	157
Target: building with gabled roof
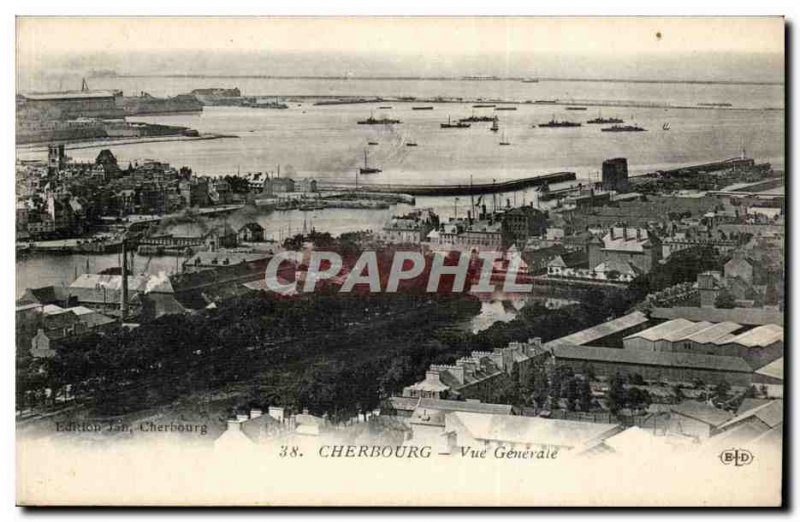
636	246
763	418
476	376
481	430
676	367
600	331
251	233
103	292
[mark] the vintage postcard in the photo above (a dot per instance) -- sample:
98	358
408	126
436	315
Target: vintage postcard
411	261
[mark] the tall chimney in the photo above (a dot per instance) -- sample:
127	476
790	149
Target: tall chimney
123	305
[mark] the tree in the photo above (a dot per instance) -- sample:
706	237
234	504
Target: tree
584	394
638	398
616	394
636	378
725	300
571	393
722	389
540	386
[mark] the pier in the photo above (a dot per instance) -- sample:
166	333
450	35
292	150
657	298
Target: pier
463	189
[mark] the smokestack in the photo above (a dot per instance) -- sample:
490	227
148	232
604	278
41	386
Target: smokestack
123	306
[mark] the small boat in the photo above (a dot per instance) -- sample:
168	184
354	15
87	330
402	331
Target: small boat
366	169
571	108
425	108
484	105
456	125
495	125
530	80
505	108
385	107
665	126
411	144
372	143
504	141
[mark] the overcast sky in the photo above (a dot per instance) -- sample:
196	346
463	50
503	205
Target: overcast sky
454	44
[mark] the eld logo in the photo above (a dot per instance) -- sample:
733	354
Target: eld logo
737	457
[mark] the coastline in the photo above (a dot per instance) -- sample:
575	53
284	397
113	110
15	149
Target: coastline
82	144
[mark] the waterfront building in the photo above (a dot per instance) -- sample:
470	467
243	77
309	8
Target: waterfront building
615	174
251	232
412	228
103	293
278	185
467	235
223	258
70	105
521	223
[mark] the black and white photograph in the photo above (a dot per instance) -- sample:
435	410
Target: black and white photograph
409	261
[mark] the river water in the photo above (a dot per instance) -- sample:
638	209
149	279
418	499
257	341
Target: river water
324	142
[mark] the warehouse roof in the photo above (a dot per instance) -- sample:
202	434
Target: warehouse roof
760	336
433	411
702	412
531	430
659	332
646	358
770	414
773	369
714	332
603	330
746	316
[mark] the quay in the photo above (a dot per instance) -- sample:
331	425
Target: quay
463	189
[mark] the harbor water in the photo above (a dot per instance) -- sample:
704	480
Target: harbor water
324	142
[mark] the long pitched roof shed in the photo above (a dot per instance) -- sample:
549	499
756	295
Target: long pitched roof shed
470	406
532	430
760	336
659	332
602	330
702	412
746	316
433	411
647	358
770	414
773	369
714	332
